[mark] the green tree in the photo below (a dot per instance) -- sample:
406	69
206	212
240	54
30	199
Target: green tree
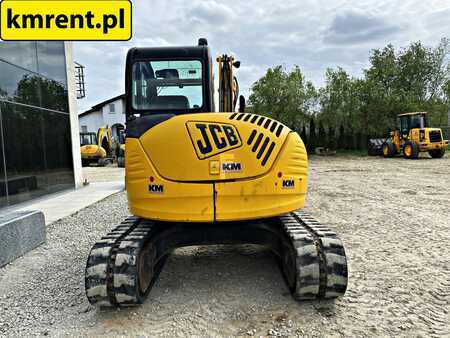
332	143
304	136
322	140
412	79
336	97
285	96
415	78
312	140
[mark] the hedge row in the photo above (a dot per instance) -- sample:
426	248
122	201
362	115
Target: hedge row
342	139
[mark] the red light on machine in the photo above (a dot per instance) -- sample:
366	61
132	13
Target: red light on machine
280	174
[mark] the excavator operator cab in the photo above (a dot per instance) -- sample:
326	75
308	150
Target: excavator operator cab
169	80
88	139
408	121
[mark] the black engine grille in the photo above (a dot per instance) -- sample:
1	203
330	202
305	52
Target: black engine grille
435	136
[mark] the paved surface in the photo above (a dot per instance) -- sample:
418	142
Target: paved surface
67	203
393	216
110	173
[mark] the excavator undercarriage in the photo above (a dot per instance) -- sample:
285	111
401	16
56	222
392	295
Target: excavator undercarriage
123	265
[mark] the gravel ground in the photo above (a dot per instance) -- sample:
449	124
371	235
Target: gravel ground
392	214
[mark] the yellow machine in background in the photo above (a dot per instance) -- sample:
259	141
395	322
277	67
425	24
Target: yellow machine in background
96	148
413	136
199	177
120	150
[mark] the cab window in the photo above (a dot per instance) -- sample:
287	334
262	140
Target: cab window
167	85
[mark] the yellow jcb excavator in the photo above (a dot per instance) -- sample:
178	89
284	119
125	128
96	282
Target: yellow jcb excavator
120	150
96	148
199	177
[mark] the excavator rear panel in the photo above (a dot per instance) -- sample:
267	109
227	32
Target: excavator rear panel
224	167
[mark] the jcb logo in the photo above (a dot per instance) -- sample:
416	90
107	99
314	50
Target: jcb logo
288	184
213	138
156	188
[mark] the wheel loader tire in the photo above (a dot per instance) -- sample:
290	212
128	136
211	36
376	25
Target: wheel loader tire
410	150
102	162
437	153
388	149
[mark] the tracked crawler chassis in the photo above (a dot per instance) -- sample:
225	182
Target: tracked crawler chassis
124	264
199	177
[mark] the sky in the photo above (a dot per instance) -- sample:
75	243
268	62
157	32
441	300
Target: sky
313	34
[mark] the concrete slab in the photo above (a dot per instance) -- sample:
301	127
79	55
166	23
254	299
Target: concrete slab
22	226
20	232
60	205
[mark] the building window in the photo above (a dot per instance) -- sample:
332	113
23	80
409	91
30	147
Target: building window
22	54
51	61
36	152
84	129
112	108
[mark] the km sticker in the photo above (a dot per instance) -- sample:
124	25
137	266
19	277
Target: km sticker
210	139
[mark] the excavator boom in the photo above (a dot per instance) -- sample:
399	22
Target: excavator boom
228	84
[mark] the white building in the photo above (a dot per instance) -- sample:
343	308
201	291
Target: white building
110	112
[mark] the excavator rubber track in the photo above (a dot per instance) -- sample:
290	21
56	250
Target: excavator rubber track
321	263
123	265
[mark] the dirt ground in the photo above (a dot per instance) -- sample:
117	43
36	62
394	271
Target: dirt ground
393	216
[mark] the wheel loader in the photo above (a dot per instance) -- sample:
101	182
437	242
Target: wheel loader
197	176
411	137
96	148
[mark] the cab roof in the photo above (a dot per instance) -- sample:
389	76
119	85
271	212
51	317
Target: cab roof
168	52
414	113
